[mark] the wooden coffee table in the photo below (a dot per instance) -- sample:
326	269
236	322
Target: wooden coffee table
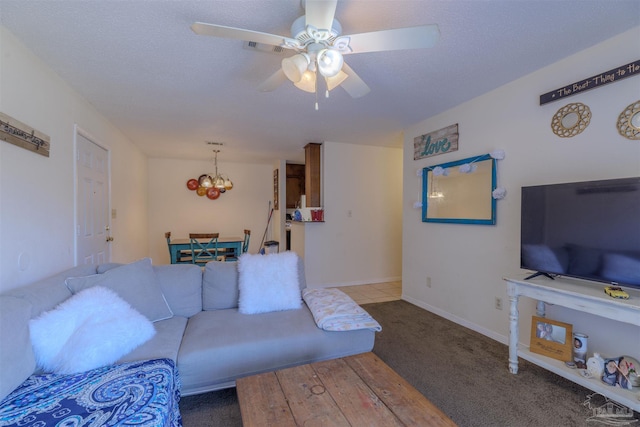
358	390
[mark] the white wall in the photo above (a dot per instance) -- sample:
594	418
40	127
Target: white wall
150	196
364	246
277	230
466	263
173	207
37	193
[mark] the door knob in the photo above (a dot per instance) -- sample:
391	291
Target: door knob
109	239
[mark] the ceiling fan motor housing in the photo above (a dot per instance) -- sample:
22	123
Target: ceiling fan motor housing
306	35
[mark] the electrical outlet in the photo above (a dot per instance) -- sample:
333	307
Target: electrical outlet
498	303
428	281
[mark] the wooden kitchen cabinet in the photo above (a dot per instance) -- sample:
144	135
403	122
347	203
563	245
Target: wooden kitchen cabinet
313	169
295	184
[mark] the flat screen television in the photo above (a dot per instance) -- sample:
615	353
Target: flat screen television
588	230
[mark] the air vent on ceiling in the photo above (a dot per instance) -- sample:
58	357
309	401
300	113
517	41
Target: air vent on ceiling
267	48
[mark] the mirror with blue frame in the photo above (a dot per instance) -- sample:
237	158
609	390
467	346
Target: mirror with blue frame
460	191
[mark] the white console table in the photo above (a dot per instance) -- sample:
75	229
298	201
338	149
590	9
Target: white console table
579	295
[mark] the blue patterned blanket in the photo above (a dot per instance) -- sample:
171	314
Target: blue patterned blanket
143	393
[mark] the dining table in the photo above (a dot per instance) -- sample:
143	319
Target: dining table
178	245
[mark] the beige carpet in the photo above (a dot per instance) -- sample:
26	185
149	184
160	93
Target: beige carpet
462	372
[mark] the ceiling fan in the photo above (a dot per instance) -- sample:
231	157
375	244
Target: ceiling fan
317	38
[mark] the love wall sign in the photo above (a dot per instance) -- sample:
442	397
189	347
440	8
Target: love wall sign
439	142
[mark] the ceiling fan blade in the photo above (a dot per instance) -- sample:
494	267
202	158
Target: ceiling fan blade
273	82
214	30
354	85
320	13
419	37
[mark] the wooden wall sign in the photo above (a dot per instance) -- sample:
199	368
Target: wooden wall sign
439	142
275	189
601	79
17	133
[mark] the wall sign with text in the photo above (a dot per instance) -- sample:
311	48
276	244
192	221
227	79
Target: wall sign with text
622	72
441	141
17	133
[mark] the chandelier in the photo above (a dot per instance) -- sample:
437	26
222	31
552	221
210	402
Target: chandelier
209	186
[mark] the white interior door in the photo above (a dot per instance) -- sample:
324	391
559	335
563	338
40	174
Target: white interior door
92	199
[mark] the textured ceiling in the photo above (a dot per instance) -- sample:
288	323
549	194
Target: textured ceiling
169	90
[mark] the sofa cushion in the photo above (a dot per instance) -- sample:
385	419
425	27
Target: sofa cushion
103	268
164	344
17	360
51	291
268	283
181	286
136	283
220	285
247	345
220	288
93	328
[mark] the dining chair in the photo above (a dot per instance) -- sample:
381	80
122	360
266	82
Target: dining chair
183	256
245	247
204	247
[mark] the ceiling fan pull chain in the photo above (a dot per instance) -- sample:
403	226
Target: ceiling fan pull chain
316	93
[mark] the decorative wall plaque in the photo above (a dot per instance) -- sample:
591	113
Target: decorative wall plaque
611	76
439	142
275	189
17	133
571	120
629	121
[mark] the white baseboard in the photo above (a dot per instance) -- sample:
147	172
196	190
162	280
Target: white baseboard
460	321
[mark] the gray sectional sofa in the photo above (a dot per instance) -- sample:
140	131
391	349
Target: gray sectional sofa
211	342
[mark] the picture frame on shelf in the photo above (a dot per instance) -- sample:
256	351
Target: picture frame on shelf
551	338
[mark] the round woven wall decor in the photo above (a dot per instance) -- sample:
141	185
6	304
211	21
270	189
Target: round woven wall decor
629	121
571	120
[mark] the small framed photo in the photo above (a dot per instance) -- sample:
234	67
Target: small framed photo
551	338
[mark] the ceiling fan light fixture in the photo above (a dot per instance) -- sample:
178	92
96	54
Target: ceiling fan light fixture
335	81
330	62
308	82
295	66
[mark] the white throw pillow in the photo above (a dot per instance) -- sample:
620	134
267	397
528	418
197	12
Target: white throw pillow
268	282
91	329
136	283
